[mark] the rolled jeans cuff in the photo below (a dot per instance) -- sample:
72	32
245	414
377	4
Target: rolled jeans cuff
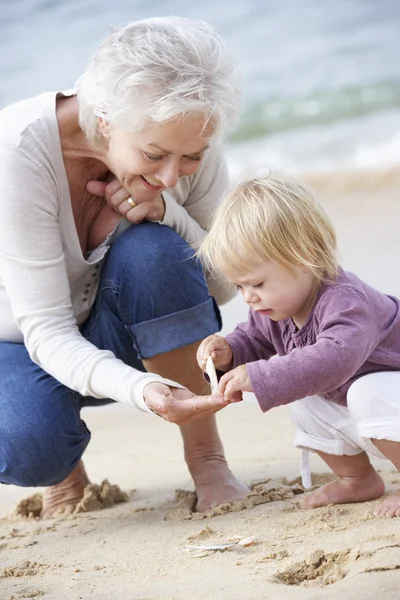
175	330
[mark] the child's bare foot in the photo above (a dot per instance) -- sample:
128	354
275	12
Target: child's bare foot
63	497
390	507
348	489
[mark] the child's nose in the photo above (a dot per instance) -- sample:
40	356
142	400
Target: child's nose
249	296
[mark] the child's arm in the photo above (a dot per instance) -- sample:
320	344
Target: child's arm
348	333
248	343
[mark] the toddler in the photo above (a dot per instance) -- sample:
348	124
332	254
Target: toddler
337	339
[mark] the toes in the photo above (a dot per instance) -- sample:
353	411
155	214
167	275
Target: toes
57	511
312	501
387	509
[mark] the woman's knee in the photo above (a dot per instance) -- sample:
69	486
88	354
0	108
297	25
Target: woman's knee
155	258
32	456
41	433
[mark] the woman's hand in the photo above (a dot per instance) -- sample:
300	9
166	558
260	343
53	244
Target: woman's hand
121	202
220	351
178	405
234	383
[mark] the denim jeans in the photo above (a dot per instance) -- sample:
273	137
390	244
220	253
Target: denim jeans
152	298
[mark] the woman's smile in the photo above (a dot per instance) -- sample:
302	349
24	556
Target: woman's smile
150	186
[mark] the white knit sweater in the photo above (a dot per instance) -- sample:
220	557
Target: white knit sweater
47	286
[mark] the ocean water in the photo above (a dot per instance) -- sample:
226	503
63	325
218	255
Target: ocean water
321	79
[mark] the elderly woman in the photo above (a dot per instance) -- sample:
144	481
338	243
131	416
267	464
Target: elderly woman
103	191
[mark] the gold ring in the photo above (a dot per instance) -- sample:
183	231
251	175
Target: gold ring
132	202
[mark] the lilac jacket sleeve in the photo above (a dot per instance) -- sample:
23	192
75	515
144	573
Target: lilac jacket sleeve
248	343
347	333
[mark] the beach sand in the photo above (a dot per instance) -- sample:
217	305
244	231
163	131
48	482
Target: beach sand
137	549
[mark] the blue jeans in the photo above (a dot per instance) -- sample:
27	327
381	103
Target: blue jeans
152	298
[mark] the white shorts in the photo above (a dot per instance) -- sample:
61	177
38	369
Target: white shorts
373	411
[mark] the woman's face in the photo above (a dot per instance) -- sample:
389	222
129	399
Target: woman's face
148	162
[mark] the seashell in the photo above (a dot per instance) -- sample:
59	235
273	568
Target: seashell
246	541
213	546
211	372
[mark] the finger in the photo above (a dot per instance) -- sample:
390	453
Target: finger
96	188
236	397
224	381
118	197
211	349
135	214
201	362
202	353
231	389
207	352
113	187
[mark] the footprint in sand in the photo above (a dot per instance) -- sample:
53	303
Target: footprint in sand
322	568
95	497
26	568
262	492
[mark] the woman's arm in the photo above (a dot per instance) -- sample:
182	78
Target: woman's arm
34	274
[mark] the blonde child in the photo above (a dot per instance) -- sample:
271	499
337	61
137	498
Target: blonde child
337	340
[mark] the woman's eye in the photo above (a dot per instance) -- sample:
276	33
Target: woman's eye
194	158
154	157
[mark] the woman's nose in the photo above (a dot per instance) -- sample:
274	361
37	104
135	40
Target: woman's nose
168	173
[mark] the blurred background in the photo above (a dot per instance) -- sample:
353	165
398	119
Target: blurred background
321	85
321	95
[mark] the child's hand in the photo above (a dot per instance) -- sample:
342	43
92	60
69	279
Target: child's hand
233	383
220	351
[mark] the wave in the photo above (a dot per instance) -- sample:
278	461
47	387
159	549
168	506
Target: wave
321	107
366	145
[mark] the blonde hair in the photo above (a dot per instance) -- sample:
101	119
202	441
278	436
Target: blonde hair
271	218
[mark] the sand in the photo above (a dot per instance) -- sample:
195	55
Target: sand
136	549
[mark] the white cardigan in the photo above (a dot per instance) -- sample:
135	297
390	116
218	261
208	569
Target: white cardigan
47	286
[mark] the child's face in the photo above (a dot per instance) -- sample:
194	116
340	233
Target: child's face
276	291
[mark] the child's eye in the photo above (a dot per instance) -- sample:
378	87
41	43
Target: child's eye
238	287
257	286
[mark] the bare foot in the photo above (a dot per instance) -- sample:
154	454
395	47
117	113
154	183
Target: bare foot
216	484
63	497
390	507
347	489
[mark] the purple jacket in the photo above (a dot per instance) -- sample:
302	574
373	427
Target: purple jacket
352	330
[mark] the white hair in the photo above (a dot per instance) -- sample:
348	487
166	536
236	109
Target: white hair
155	70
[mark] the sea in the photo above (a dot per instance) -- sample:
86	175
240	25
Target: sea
320	78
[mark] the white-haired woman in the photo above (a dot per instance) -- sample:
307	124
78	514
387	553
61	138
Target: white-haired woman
103	191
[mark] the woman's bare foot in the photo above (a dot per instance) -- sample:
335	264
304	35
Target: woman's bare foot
63	497
348	489
216	484
390	507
